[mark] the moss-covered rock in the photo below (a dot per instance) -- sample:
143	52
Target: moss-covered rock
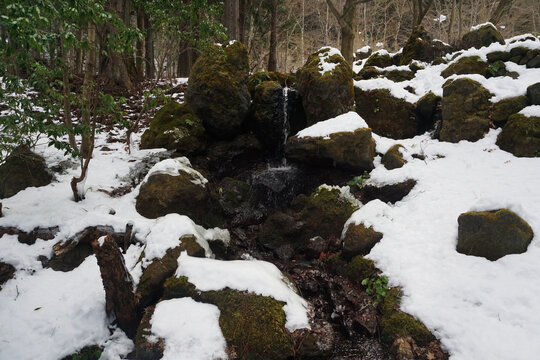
280	229
150	287
254	80
229	157
498	68
385	114
184	194
395	323
354	150
466	65
393	159
521	136
399	75
175	127
503	109
367	72
533	94
483	36
359	240
91	352
426	109
360	268
6	272
379	59
217	89
388	193
253	325
22	169
144	348
465	111
493	234
498	56
421	47
325	94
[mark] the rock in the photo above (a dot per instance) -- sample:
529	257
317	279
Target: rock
327	95
521	136
506	107
90	352
31	237
534	62
7	271
175	127
428	110
228	158
493	234
318	342
466	65
277	186
402	348
240	202
359	240
483	36
533	94
385	114
150	287
367	72
253	325
465	111
498	68
393	158
399	75
353	150
421	47
217	89
279	229
22	169
360	268
269	114
388	193
498	56
284	80
185	193
379	59
315	246
144	348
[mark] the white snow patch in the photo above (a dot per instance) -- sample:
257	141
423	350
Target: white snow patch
364	49
347	122
190	329
259	277
174	166
531	111
476	27
440	19
324	54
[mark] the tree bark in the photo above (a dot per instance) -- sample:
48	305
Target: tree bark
139	60
242	20
230	18
272	56
502	9
149	48
118	284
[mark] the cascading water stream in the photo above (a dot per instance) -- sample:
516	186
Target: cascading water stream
285	121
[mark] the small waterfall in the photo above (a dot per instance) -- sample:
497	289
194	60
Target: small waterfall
285	120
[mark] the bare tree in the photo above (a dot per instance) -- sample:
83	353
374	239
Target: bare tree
272	56
502	9
419	9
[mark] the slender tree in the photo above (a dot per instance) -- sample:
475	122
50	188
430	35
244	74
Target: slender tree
272	55
502	9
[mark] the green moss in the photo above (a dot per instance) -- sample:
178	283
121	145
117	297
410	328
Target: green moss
399	75
467	65
521	136
379	60
144	349
367	72
503	109
439	60
484	36
361	268
259	77
395	323
337	264
233	193
393	158
91	352
178	287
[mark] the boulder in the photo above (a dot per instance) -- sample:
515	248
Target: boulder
367	72
385	114
498	56
252	325
388	193
326	85
421	47
533	94
354	150
280	229
145	348
175	127
184	192
465	111
254	80
428	110
483	36
7	271
359	240
217	89
229	157
240	202
393	159
22	169
521	136
492	234
503	109
466	65
399	75
379	59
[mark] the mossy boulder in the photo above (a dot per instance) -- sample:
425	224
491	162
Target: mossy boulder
144	348
379	59
498	56
359	240
254	80
385	114
229	157
353	150
91	352
393	159
7	271
533	94
367	72
399	75
325	94
388	193
175	127
22	169
183	193
466	65
483	36
217	89
521	136
465	111
503	109
253	325
395	323
280	229
427	109
421	47
493	234
150	287
360	268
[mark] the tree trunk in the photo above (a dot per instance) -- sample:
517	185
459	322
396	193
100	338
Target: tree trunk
230	18
241	20
502	9
451	22
118	284
186	58
149	49
139	61
272	56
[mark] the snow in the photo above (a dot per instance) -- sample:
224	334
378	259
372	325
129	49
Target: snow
440	19
258	277
347	122
190	329
174	166
476	27
530	111
478	308
325	53
364	49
